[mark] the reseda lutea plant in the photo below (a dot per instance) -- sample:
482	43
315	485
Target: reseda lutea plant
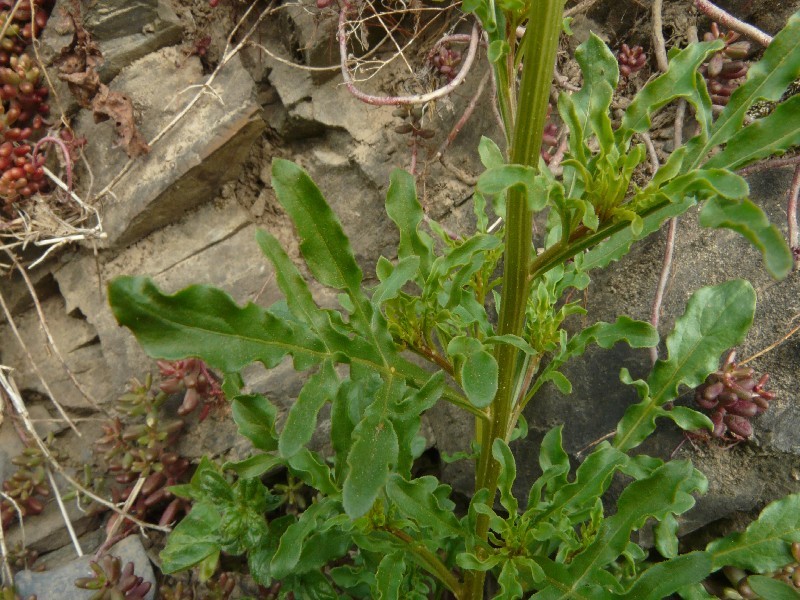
374	530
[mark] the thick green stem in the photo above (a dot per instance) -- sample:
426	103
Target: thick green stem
539	49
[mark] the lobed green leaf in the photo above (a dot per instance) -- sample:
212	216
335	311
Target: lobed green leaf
768	136
417	500
302	418
665	578
765	545
716	319
749	220
767	79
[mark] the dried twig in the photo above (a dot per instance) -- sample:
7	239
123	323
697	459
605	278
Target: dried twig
473	103
771	347
655	314
34	366
770	163
64	514
791	215
50	339
732	23
660	47
400	100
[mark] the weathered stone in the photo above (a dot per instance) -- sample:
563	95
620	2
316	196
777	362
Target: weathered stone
76	340
118	18
163	29
189	165
125	32
313	35
60	582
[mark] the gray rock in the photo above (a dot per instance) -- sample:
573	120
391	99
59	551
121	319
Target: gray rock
191	163
77	342
60	582
118	18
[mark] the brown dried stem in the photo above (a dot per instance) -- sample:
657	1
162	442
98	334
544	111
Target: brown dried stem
728	20
400	100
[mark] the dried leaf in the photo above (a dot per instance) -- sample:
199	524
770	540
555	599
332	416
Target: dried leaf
77	65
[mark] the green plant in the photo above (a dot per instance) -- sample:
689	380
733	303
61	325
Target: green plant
374	531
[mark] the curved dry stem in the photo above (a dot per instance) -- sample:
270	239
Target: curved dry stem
728	20
400	100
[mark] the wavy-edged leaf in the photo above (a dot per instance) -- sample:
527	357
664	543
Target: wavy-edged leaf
206	323
668	490
255	417
310	468
293	539
774	589
749	220
765	545
509	580
373	453
396	276
389	576
575	500
637	334
324	245
418	500
600	71
498	180
508	474
768	136
302	418
295	290
619	244
665	578
716	319
404	209
681	80
767	79
254	466
666	537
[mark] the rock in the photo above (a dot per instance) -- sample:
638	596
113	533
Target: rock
77	342
60	582
118	18
313	35
192	161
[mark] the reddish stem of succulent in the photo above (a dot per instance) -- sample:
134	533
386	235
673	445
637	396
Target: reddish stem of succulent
400	100
63	147
791	214
731	22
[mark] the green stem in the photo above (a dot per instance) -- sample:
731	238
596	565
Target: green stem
430	561
539	48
